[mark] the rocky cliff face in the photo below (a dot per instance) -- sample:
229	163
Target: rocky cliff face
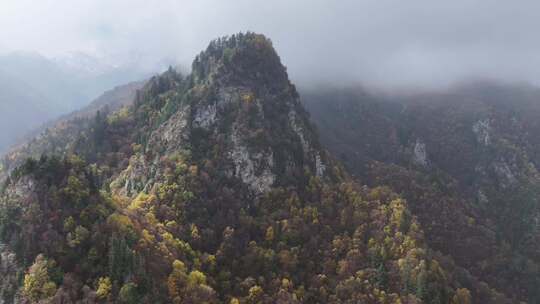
245	92
240	98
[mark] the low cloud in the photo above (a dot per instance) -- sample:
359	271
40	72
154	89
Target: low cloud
377	42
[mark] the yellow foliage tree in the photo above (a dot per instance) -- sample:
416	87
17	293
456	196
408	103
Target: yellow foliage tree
37	284
462	296
104	288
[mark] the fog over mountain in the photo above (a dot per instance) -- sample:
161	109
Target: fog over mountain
56	56
258	152
419	43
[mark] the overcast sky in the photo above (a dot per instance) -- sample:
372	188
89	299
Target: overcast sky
397	43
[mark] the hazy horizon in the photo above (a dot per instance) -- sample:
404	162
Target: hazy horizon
380	43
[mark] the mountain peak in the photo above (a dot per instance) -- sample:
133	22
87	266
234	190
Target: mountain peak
242	91
241	58
238	101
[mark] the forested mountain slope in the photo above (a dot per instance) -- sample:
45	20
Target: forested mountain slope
56	136
466	160
213	188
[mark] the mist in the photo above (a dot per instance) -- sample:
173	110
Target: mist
379	43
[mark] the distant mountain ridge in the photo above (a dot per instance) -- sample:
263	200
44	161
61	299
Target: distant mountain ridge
35	89
63	129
